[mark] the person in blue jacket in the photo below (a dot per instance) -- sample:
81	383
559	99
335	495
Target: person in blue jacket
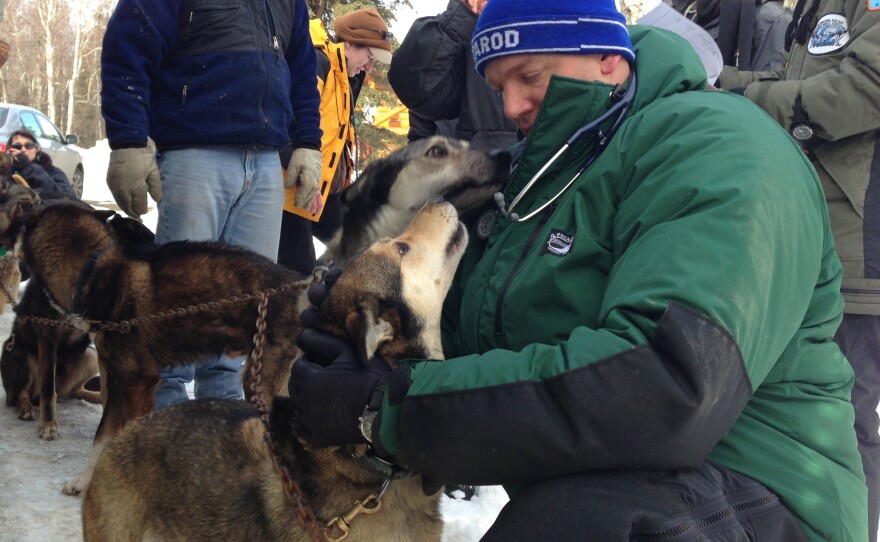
198	99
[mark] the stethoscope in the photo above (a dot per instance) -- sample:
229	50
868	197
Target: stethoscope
621	99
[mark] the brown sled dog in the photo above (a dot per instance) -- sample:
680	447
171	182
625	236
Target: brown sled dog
221	484
87	272
42	361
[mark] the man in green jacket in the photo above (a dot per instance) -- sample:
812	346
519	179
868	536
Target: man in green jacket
639	347
828	97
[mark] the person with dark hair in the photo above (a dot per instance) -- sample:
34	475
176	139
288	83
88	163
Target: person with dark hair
35	166
362	38
826	97
433	75
638	341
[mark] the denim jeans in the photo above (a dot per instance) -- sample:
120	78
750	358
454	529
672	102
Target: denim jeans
217	193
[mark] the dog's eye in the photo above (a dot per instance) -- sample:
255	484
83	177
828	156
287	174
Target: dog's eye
437	152
402	248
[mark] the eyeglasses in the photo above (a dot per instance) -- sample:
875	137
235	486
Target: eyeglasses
18	146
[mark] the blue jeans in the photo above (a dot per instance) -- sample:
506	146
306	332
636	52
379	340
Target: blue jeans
217	193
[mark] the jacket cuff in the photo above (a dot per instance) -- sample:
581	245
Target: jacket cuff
387	427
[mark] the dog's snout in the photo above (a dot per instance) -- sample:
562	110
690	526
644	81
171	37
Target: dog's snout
502	157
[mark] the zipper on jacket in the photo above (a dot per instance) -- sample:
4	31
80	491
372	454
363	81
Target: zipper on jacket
499	306
706	521
185	89
270	23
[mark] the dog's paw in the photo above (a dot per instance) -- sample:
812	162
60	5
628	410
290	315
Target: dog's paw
27	414
73	488
49	430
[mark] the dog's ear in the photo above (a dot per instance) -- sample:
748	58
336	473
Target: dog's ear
370	329
131	230
104	214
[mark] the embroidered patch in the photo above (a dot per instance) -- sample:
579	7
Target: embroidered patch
558	243
831	33
873	5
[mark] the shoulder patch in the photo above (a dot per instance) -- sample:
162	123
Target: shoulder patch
873	5
831	33
558	243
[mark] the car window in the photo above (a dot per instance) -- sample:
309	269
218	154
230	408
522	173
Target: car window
29	122
48	130
4	112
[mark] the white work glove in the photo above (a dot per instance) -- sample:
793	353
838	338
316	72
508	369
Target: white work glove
304	172
130	175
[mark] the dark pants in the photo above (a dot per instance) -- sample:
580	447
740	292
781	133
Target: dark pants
709	503
859	339
296	249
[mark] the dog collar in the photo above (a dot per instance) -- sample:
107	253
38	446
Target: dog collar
387	469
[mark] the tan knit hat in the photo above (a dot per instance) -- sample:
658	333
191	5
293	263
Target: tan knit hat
366	27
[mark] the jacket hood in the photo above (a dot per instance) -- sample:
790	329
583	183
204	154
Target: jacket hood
318	32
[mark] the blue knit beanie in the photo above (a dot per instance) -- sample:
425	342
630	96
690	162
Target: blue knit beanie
517	27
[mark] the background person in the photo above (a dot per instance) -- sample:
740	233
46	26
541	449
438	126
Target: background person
433	75
647	349
36	167
182	73
828	97
362	38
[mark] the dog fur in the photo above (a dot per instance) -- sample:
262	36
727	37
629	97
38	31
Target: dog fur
390	191
201	470
41	362
86	270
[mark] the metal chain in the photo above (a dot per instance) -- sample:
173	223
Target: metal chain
124	326
305	517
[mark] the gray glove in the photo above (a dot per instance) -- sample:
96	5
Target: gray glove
131	173
304	172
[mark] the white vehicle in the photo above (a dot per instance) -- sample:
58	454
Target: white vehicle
52	141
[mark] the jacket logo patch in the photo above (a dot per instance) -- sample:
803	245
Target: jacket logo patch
558	243
873	5
830	34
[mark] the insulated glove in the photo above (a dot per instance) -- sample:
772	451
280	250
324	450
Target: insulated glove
20	161
330	397
131	174
304	172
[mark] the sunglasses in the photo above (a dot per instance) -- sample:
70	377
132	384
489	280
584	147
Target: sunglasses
18	146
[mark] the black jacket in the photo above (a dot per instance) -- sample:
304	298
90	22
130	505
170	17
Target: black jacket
433	74
41	175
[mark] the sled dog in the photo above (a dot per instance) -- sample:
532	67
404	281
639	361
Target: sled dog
201	471
172	304
43	361
390	191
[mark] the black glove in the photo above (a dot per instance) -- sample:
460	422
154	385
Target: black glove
21	161
318	292
330	395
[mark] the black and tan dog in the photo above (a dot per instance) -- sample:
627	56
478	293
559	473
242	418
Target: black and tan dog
167	292
38	364
201	470
390	191
41	362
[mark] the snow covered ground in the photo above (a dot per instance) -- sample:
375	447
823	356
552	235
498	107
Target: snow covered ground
32	471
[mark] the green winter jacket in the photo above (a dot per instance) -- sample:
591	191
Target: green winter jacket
836	74
677	304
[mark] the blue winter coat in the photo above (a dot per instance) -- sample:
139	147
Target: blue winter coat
190	72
